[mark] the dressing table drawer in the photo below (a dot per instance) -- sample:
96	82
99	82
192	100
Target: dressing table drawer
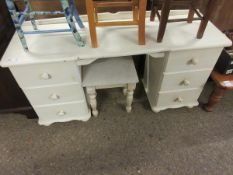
192	60
62	113
46	74
178	98
55	94
184	80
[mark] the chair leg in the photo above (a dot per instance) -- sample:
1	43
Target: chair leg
125	91
129	98
141	22
15	18
153	10
91	92
191	11
70	21
91	19
75	14
32	17
191	15
205	20
215	97
135	13
164	19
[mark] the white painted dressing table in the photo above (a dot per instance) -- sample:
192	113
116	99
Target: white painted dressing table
50	74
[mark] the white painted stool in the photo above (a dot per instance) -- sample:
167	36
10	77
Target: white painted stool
110	73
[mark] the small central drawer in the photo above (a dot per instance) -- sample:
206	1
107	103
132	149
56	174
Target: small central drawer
185	80
192	60
46	74
55	94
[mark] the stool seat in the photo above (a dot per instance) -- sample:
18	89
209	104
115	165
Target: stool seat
110	72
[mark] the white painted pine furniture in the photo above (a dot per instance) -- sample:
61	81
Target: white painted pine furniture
54	90
110	73
177	78
51	65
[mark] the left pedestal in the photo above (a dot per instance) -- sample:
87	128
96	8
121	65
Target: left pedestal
54	90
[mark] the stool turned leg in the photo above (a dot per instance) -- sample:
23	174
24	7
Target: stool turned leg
215	97
15	18
125	91
163	20
70	21
91	19
76	14
129	98
91	92
153	10
204	21
190	15
26	2
135	11
141	22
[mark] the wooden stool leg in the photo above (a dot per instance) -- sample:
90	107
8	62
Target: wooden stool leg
91	92
125	91
141	21
70	21
135	13
135	10
191	15
26	2
215	97
204	21
129	98
153	11
15	18
191	11
91	19
163	20
76	14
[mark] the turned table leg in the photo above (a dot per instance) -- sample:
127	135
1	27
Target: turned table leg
129	98
91	92
215	97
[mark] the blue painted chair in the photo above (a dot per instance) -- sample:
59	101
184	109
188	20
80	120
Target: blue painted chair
69	11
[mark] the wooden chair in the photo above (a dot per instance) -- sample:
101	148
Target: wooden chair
191	4
139	13
69	11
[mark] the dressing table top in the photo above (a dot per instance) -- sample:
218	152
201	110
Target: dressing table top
113	42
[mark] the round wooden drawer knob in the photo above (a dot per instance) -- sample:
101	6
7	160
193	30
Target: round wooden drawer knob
54	97
185	83
61	113
45	76
179	99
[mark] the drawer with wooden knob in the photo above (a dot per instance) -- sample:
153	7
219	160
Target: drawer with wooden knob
55	94
178	98
184	80
63	112
192	60
30	76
